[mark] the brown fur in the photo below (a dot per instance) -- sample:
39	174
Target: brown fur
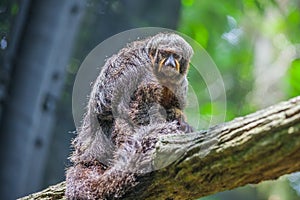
134	99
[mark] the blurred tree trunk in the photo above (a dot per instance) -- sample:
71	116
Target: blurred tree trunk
12	33
39	67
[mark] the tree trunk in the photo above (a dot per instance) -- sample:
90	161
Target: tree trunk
260	146
37	79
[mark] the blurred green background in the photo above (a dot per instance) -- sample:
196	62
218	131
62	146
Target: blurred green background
254	44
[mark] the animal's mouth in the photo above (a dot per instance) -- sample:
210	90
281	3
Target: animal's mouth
168	71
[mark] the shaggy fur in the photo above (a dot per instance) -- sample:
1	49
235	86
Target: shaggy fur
136	97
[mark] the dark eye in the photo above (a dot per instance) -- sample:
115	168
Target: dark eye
163	54
152	52
177	57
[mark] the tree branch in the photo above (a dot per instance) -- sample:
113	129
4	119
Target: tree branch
52	192
260	146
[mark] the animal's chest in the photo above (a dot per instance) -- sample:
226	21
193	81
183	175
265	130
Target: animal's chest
168	98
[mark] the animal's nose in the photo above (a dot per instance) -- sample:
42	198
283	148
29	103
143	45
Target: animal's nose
170	61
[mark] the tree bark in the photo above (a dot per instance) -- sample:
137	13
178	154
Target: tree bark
260	146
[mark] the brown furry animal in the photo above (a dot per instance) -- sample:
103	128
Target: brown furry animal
139	94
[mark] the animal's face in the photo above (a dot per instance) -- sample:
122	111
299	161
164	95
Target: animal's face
168	63
170	55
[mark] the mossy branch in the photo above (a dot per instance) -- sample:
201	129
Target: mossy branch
260	146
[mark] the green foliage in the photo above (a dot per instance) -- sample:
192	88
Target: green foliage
294	78
230	31
14	9
292	25
215	26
